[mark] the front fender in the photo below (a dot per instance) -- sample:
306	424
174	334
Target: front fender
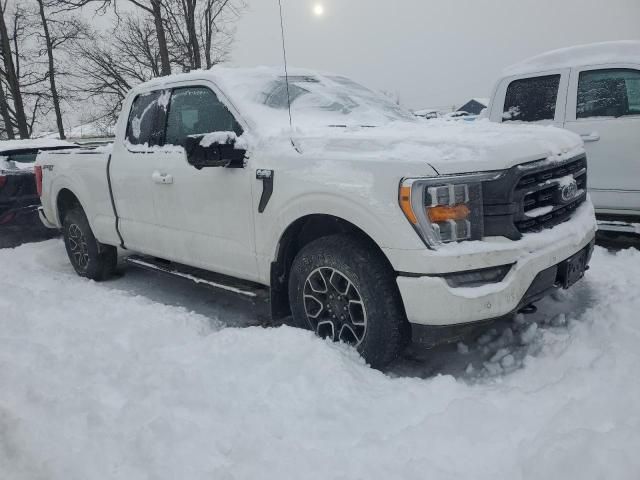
386	226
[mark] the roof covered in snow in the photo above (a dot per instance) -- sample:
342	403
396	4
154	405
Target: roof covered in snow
32	144
591	54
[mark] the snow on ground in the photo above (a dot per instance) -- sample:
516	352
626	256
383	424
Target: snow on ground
118	381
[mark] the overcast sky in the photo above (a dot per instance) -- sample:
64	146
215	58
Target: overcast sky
433	53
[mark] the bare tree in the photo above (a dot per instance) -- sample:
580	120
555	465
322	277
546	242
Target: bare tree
6	115
11	72
200	30
198	33
56	32
217	28
107	68
153	8
23	92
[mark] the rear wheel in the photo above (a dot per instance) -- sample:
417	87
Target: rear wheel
89	258
342	289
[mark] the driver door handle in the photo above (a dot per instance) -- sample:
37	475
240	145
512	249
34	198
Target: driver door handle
590	137
162	178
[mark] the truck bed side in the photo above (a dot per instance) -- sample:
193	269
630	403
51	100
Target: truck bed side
83	175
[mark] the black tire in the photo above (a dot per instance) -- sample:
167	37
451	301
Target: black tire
386	330
89	258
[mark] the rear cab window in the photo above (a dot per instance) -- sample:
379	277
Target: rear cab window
532	99
147	118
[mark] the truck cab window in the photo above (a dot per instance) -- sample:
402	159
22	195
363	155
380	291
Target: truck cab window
608	93
147	118
531	99
197	110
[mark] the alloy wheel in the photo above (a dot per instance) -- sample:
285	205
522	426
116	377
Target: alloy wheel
334	306
78	246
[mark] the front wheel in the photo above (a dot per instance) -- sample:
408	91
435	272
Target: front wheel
89	258
342	289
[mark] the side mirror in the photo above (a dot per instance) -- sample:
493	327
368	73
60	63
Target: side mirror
215	154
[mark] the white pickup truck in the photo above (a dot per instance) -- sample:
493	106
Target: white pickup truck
594	91
361	222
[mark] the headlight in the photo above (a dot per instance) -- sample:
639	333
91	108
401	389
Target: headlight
445	209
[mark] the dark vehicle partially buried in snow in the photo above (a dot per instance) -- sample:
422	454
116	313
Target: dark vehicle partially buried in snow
19	199
362	223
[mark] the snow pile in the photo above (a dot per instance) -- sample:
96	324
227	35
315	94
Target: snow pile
99	383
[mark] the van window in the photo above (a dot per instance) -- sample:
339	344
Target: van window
147	118
531	99
608	93
197	110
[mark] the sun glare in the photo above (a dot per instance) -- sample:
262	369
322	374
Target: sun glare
318	10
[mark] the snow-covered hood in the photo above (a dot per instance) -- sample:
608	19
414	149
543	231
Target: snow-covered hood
448	147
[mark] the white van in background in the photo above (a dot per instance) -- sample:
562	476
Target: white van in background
593	90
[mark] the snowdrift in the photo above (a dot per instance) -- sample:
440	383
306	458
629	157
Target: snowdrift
97	382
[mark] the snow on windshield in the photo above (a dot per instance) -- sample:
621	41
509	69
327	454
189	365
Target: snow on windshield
317	100
334	101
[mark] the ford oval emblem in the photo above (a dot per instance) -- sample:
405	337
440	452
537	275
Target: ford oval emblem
569	191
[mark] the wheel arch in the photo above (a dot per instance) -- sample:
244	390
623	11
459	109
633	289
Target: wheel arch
65	201
296	236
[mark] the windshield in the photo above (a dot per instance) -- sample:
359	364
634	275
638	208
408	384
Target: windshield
333	101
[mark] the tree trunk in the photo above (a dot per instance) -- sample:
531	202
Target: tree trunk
6	116
162	37
193	34
12	78
208	33
52	79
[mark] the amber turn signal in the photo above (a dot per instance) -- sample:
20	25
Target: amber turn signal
405	205
443	213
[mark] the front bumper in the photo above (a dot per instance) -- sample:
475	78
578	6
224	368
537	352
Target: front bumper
430	300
